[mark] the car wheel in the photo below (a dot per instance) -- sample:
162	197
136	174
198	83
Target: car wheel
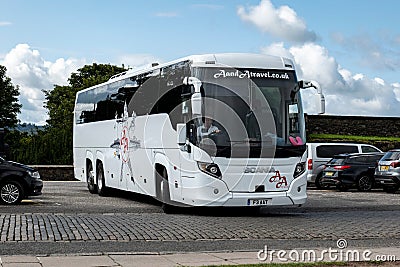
318	184
101	186
11	192
365	183
391	189
90	179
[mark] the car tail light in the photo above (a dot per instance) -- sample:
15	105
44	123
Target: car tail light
309	164
342	167
395	164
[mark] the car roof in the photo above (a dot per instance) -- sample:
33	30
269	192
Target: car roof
360	154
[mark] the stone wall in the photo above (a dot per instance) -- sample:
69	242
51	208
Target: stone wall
55	172
353	125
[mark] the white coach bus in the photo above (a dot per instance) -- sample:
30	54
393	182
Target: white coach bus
204	130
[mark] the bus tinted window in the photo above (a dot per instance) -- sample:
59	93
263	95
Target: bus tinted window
105	102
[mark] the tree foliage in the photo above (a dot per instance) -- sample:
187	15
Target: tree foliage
9	106
53	145
61	100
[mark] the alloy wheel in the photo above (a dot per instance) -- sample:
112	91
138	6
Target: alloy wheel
10	193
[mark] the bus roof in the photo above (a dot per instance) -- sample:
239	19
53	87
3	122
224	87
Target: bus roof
234	60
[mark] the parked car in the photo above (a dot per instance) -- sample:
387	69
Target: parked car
18	181
387	174
320	153
349	170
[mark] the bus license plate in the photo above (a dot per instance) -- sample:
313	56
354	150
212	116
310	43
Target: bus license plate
384	168
257	202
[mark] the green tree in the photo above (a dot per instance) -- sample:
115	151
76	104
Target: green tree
61	100
60	104
53	144
9	106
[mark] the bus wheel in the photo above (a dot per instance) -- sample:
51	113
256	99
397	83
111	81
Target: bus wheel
101	186
90	179
166	199
159	179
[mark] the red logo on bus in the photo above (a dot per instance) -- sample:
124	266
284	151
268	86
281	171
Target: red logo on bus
124	143
279	180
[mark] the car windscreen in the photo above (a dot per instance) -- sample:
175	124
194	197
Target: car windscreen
391	155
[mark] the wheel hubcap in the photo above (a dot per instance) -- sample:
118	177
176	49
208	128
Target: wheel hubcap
9	193
365	183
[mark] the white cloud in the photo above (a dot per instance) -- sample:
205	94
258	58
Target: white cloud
345	93
166	14
281	22
277	49
5	23
32	74
396	91
375	52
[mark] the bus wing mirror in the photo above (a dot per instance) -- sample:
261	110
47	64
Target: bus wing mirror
196	105
320	99
181	130
320	104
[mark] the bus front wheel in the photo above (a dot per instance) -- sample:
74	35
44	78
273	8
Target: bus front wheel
166	199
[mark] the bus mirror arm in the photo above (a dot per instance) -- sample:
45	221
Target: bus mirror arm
193	81
196	100
181	131
182	141
320	96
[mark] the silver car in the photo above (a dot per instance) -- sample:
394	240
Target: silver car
387	174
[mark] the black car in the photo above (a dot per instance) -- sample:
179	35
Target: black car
18	181
349	170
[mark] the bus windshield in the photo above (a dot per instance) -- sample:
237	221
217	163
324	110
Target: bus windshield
250	113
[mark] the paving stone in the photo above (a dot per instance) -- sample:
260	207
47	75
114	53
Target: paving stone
127	227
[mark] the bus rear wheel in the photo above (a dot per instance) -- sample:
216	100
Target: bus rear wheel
90	179
101	186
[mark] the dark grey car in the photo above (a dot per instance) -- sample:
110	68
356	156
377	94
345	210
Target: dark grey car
18	181
387	174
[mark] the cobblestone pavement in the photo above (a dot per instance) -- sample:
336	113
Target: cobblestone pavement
67	218
161	227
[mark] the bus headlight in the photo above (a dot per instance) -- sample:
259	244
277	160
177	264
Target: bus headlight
299	169
210	168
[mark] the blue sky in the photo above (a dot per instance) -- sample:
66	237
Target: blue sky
351	47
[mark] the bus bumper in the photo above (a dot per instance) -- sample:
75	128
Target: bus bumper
205	196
